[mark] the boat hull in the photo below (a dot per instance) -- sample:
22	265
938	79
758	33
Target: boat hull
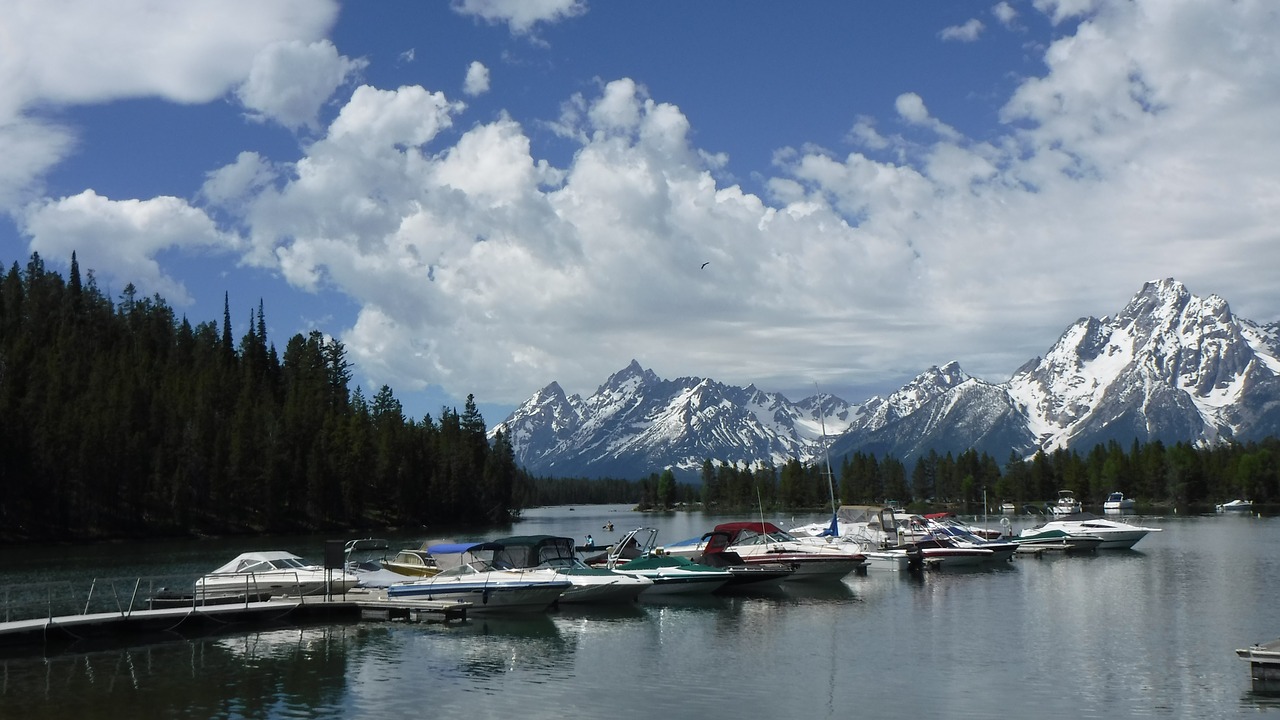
494	596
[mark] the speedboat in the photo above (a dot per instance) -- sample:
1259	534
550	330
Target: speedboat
1236	506
273	572
637	554
716	553
470	574
1067	504
763	542
960	535
877	532
588	584
414	563
1116	501
1115	535
1038	539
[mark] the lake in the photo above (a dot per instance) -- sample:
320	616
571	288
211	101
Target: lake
1144	633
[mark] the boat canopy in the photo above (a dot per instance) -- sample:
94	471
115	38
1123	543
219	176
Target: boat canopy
459	548
527	551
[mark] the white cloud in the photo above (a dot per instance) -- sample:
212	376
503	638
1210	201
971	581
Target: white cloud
521	15
82	51
291	80
967	32
121	238
1005	13
911	108
477	81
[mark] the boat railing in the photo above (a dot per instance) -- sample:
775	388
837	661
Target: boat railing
118	595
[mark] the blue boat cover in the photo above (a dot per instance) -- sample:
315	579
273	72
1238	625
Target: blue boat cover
458	548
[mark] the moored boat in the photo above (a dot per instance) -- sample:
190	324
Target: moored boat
273	572
1067	504
757	541
1236	506
1116	501
1115	535
637	554
587	584
470	575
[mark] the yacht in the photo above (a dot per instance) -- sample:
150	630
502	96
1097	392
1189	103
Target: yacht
1115	535
1067	504
1116	501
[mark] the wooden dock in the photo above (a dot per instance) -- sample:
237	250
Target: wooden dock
198	619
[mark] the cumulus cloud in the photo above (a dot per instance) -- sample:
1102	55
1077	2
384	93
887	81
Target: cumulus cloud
291	80
521	16
110	52
477	80
1005	13
966	32
121	238
1146	149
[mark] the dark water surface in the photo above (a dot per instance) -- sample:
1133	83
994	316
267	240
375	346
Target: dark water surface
1143	633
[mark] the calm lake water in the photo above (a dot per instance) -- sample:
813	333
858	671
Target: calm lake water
1143	633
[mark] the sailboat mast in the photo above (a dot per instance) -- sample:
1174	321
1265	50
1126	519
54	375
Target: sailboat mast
826	453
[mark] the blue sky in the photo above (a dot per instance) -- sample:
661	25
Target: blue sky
484	196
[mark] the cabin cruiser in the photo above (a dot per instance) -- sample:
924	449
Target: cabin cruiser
1116	502
1067	504
273	572
1236	506
470	574
1115	535
588	584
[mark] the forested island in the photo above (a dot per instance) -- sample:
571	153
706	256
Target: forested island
119	419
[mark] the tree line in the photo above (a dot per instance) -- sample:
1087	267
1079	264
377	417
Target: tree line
1181	475
119	419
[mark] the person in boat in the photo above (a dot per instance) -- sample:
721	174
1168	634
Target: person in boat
590	541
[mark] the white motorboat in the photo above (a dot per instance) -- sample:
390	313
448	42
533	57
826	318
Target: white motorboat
1236	506
1116	502
875	531
273	572
763	542
1067	504
1115	535
637	554
470	575
588	584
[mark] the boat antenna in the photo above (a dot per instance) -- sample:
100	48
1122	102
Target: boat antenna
826	452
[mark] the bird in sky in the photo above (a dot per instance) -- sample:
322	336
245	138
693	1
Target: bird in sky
704	264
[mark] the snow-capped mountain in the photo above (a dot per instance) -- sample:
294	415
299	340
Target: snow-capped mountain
637	423
1170	366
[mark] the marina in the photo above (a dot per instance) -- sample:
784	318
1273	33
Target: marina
1149	631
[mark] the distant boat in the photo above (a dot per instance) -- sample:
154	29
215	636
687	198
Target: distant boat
1236	506
1008	508
1067	504
1117	501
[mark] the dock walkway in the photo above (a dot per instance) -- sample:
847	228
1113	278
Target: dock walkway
202	619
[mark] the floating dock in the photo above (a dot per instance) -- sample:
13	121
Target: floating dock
1264	665
197	618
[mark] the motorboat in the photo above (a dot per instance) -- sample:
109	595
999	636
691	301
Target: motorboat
1067	504
588	584
1008	508
273	572
757	541
1116	502
638	554
1236	506
961	536
716	553
877	532
469	574
1115	535
414	563
1038	540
